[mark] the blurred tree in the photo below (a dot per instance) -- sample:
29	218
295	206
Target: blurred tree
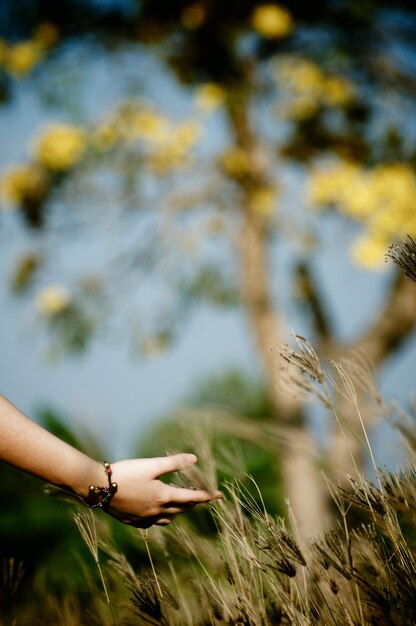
323	90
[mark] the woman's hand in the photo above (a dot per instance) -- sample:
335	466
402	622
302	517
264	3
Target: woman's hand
142	499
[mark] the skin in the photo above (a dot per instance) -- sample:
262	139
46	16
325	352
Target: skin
141	499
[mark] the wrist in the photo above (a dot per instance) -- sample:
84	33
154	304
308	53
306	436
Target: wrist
92	473
99	496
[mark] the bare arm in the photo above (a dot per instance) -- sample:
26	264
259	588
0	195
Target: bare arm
141	498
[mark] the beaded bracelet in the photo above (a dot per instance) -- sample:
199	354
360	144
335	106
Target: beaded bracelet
98	497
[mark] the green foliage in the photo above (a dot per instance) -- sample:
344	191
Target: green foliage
235	391
37	532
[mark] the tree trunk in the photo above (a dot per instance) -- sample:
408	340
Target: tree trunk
302	483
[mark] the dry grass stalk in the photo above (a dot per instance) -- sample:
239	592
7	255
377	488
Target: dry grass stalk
88	530
251	571
404	256
305	377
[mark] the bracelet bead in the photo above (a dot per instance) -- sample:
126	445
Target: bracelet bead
98	497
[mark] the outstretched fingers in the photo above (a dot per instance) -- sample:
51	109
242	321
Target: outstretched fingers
190	497
173	463
177	499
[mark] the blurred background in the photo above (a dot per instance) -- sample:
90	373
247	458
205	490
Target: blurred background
184	184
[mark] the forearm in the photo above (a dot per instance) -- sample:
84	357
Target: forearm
29	447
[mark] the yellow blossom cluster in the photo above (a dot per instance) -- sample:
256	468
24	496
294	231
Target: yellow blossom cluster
236	162
24	183
309	87
148	125
60	146
210	96
104	136
166	146
263	200
53	300
57	149
130	123
174	152
383	199
20	58
272	21
3	51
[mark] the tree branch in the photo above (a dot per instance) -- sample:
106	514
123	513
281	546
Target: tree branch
394	324
310	292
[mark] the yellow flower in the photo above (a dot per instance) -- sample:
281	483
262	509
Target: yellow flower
302	107
186	134
60	146
369	252
337	91
175	152
3	51
333	184
53	300
22	57
146	125
263	201
301	76
104	137
24	182
210	96
308	87
272	21
46	34
383	199
236	162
